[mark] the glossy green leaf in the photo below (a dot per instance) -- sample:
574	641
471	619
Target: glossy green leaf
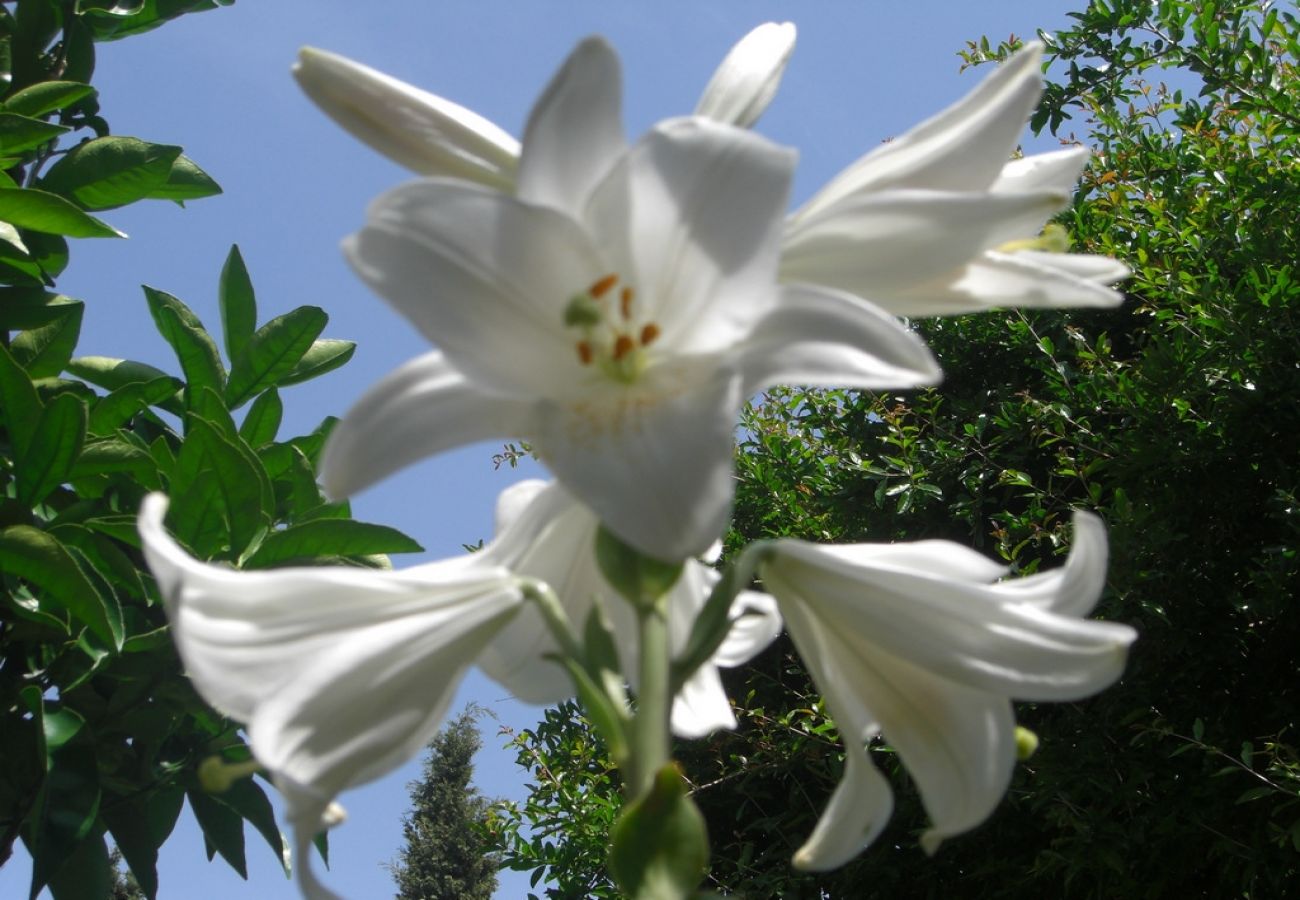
138	15
46	97
41	211
238	304
85	874
272	352
247	798
242	486
223	829
48	251
119	406
208	405
19	133
44	351
140	827
330	537
23	307
185	181
115	456
19	402
262	420
194	347
324	356
42	560
113	373
55	443
109	172
68	802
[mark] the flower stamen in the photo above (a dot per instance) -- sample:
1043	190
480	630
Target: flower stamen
613	343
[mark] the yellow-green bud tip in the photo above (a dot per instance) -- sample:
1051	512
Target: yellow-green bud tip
1026	743
216	776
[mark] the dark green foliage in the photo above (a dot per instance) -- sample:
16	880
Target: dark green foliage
448	853
100	731
1174	416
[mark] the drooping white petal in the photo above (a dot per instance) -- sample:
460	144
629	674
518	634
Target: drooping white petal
575	131
413	128
755	624
701	707
1022	279
854	817
917	640
744	84
877	245
418	410
1058	170
819	337
962	148
339	674
652	459
692	217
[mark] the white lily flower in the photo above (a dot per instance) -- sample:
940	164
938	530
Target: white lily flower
616	312
937	221
432	135
339	674
921	643
563	556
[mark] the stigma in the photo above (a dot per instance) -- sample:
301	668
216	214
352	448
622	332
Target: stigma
612	336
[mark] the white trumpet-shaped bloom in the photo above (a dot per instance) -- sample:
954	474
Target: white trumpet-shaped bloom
339	674
615	311
938	221
519	658
922	644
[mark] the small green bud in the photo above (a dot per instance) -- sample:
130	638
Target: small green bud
216	776
639	579
1026	743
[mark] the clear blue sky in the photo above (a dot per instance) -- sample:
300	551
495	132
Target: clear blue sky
218	84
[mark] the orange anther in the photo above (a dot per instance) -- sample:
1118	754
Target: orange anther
601	288
623	346
625	303
584	353
649	334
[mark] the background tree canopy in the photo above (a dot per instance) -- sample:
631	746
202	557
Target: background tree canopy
1174	416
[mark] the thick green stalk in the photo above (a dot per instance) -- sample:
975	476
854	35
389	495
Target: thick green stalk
650	739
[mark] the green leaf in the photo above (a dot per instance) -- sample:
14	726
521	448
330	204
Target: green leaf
45	351
116	409
329	537
114	456
19	402
50	213
223	829
640	579
140	827
26	307
41	559
273	351
68	803
114	19
109	172
242	486
660	845
194	347
55	443
185	181
324	356
112	373
46	97
247	798
238	304
19	133
262	420
207	404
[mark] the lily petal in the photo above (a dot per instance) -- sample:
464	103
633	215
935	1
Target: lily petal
1023	279
876	244
1055	171
584	98
652	459
692	218
484	276
962	148
339	674
418	410
819	337
413	128
744	84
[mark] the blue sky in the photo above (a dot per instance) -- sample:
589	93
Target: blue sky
218	84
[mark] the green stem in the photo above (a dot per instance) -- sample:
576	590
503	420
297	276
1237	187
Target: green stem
650	738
